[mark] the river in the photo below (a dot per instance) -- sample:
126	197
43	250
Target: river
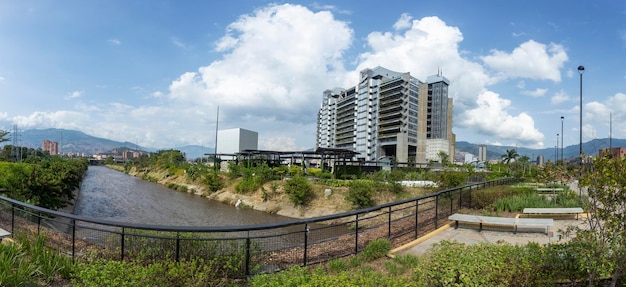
113	195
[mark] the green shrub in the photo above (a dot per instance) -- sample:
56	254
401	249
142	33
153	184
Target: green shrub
483	264
337	265
299	190
316	172
375	249
213	181
197	272
449	179
361	193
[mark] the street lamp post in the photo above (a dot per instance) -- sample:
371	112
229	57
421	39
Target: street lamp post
562	136
581	70
556	151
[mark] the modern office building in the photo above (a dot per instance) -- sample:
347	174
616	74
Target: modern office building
233	141
389	114
482	153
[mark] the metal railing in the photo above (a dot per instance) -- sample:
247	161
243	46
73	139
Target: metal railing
250	249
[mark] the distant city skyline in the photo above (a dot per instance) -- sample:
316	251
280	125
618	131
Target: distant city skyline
154	72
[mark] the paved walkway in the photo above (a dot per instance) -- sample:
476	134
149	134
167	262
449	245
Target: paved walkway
471	235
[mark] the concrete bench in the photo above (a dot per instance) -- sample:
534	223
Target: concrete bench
501	221
553	210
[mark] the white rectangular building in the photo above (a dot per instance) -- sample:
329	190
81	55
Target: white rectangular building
232	141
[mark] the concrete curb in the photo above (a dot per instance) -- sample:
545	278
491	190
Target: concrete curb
392	252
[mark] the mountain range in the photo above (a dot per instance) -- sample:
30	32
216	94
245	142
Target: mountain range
81	143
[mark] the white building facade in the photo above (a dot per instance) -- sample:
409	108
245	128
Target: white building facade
388	114
232	141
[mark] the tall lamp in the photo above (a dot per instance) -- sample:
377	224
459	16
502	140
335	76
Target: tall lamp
562	136
581	70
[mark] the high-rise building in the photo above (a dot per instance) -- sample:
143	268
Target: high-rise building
389	114
482	153
51	147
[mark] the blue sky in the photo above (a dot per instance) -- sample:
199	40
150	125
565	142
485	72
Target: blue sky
154	72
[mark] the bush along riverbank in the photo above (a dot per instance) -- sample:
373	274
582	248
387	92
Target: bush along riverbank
49	182
287	191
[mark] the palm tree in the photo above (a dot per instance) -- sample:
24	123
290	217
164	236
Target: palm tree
511	155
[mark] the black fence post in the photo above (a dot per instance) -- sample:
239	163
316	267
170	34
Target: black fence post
38	222
451	196
306	242
122	254
417	212
73	222
12	218
177	246
437	211
389	223
356	235
461	198
248	254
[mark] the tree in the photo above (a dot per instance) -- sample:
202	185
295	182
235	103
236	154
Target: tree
524	161
3	135
444	157
603	241
511	155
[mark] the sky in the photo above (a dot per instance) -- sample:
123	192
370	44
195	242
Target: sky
155	72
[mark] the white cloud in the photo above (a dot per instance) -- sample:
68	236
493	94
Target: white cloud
536	93
404	22
490	118
275	63
74	95
531	60
280	144
115	42
58	119
427	46
178	43
559	97
1	78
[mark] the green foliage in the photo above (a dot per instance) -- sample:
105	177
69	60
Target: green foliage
375	249
348	172
196	272
361	193
299	276
213	181
518	202
317	172
295	170
450	179
26	263
49	183
337	265
603	241
456	264
254	177
234	170
299	190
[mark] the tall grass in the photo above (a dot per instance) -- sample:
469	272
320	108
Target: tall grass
518	202
27	262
